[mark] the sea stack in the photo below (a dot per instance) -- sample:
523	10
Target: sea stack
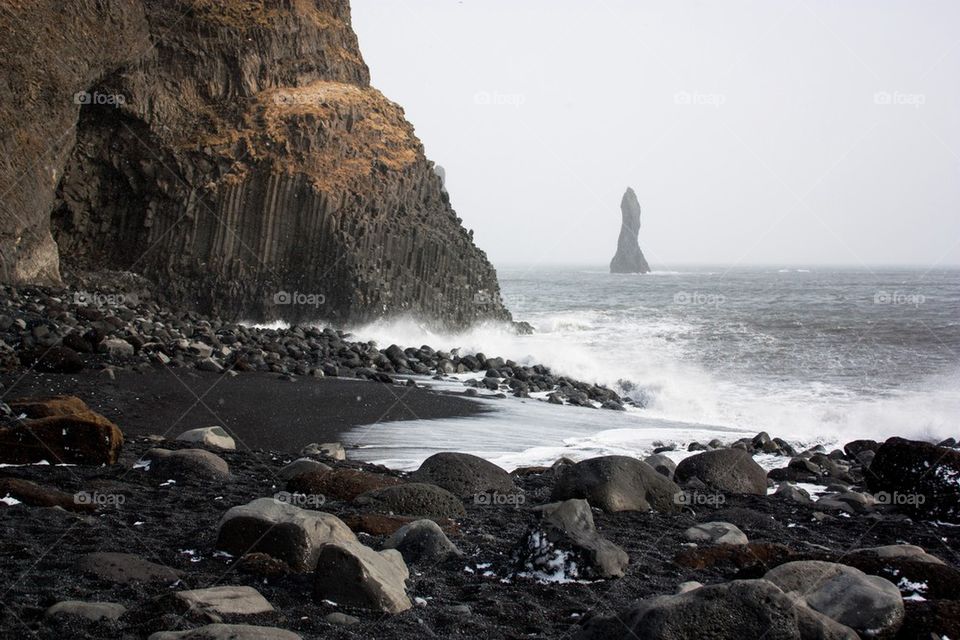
629	258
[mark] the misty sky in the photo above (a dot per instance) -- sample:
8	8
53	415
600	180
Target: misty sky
753	132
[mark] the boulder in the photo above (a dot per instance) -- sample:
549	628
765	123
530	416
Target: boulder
126	568
733	610
186	464
464	475
210	436
379	524
617	483
227	632
869	605
662	464
566	545
917	477
908	551
300	466
354	575
716	533
413	499
792	492
339	484
728	470
36	495
332	450
280	530
60	430
55	359
226	600
93	611
422	542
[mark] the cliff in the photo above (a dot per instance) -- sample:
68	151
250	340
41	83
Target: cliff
629	258
231	151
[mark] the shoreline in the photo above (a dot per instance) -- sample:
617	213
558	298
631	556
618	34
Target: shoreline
261	410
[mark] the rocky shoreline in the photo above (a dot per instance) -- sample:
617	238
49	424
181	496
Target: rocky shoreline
178	535
69	331
134	533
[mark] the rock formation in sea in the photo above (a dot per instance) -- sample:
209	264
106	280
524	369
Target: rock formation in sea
231	151
629	258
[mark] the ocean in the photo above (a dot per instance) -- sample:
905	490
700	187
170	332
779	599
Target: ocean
817	356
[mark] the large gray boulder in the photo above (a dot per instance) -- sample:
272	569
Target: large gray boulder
227	632
224	600
868	604
413	499
186	464
92	611
464	475
617	483
729	611
728	470
422	542
354	575
565	545
716	533
662	463
629	258
280	530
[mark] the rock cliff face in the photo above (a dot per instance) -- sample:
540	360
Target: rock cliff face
233	152
629	258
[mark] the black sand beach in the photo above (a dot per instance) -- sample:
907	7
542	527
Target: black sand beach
261	410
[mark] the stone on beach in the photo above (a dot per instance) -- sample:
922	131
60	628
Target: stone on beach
413	499
59	430
186	464
464	475
93	611
332	450
917	477
422	542
281	530
617	483
339	484
126	568
729	470
352	574
227	632
210	436
565	544
868	604
225	600
300	466
716	533
729	611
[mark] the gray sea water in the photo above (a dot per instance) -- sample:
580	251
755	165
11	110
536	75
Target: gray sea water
818	354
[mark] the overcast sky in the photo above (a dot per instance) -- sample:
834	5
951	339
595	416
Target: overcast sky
783	132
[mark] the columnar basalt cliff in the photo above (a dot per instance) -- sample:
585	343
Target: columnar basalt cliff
234	153
629	258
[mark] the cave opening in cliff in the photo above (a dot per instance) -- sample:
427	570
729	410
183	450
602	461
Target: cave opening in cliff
109	192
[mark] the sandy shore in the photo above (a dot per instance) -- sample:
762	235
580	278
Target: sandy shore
261	410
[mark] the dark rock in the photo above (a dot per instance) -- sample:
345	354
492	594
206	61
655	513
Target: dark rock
339	484
52	360
566	545
126	568
920	478
729	470
618	483
413	499
464	475
60	430
629	258
186	464
734	610
36	495
422	542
